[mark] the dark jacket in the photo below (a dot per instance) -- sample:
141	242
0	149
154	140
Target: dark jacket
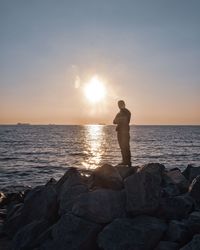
122	120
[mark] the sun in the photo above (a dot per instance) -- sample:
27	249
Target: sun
95	90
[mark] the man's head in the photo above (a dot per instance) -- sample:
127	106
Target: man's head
121	104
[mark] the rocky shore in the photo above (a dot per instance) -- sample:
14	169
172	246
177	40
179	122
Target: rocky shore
112	208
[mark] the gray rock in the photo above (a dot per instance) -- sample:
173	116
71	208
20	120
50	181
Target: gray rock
101	205
167	245
143	189
194	244
179	179
12	222
178	231
140	233
26	237
40	203
70	189
71	177
191	172
5	244
72	232
170	190
194	190
176	208
156	169
106	176
194	222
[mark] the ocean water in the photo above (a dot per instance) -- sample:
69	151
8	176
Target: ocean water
31	155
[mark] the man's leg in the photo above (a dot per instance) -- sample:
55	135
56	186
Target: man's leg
126	154
120	141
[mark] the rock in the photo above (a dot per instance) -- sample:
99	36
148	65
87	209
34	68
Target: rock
170	190
101	205
194	244
1	228
156	169
143	190
12	222
167	245
106	176
176	208
191	172
70	189
26	237
72	174
11	210
72	232
40	203
194	190
68	197
193	222
179	179
125	171
5	244
178	231
140	233
2	213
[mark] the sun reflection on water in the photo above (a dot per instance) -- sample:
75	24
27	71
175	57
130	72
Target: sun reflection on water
94	144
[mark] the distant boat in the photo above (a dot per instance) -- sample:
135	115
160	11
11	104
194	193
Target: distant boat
22	124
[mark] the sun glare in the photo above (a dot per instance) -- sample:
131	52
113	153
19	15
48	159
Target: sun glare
95	90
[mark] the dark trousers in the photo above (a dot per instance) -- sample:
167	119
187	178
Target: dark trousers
124	140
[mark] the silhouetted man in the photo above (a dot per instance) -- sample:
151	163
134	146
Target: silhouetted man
122	120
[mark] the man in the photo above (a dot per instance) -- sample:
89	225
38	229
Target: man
122	120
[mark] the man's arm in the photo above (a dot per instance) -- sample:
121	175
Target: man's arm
116	120
120	119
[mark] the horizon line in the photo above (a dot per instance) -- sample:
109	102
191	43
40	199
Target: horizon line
86	124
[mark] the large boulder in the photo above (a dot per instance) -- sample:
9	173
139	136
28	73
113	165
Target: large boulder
69	187
12	221
191	172
194	244
178	231
72	176
40	203
143	189
156	169
193	222
140	233
106	176
176	208
72	232
178	179
26	237
170	190
167	245
101	205
194	190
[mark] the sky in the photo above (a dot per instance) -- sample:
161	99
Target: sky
145	52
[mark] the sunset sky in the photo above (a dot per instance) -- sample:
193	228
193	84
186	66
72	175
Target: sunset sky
145	52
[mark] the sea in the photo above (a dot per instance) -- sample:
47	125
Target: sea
32	154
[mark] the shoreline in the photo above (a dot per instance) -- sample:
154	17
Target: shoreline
161	206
